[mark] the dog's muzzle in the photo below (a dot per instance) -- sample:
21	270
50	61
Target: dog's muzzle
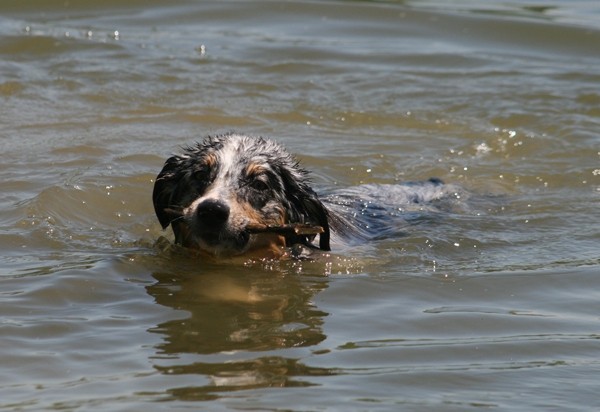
212	214
211	224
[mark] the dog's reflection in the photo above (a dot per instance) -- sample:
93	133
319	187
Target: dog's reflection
232	315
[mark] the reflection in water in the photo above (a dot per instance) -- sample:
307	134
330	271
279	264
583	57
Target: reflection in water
233	310
272	371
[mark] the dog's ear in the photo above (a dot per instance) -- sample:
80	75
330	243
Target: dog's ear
305	206
164	187
315	212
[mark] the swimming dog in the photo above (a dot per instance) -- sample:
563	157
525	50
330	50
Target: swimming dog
216	193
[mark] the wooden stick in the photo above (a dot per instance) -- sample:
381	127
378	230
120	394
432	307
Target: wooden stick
173	212
300	229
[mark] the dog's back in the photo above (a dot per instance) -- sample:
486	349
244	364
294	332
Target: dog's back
376	211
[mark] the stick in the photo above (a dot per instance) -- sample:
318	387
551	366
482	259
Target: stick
300	229
173	212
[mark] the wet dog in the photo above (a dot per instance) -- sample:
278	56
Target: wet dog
212	192
215	191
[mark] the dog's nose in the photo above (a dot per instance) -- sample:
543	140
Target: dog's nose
212	212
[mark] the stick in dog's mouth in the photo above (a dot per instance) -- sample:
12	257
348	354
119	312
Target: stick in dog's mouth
299	229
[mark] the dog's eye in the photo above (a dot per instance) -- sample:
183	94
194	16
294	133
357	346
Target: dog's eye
259	185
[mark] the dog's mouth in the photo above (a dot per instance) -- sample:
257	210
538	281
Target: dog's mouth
225	241
211	229
257	238
246	243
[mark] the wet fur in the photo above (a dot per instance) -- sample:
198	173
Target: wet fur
212	192
236	181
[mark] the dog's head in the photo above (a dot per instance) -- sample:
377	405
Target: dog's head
214	190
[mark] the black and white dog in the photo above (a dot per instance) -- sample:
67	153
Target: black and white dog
215	190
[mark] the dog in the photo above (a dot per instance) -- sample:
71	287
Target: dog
216	190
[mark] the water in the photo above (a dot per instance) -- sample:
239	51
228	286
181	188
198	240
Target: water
489	304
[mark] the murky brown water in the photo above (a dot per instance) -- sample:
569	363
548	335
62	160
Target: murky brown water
493	304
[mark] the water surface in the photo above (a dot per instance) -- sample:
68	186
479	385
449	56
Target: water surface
491	303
